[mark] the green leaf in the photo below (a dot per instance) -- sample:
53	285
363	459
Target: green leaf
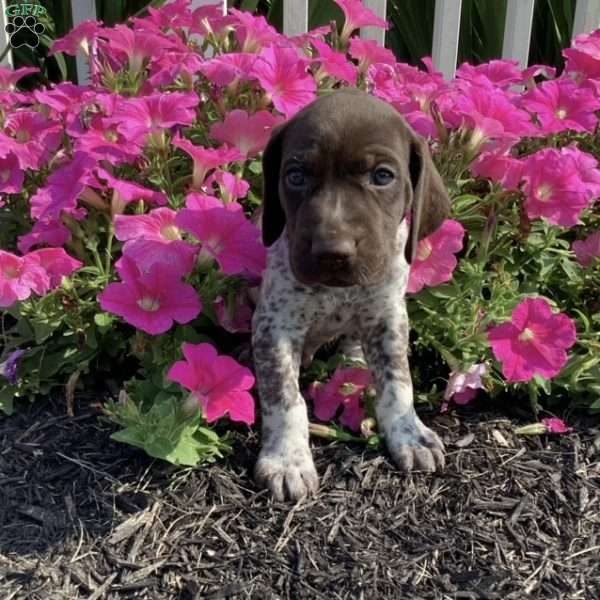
42	330
165	431
103	319
545	384
7	395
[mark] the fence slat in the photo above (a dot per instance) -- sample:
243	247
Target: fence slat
295	17
83	10
446	29
194	4
517	30
375	33
4	37
587	16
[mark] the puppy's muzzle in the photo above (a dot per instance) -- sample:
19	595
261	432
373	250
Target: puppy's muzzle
332	254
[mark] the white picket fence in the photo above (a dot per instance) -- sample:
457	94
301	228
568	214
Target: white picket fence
517	29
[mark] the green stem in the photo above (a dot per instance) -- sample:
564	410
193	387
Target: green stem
97	260
452	361
108	257
533	398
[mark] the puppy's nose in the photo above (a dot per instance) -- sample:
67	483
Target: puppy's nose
334	252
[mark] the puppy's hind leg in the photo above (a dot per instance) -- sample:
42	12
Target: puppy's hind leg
351	347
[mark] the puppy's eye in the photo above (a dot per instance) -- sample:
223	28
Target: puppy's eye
382	176
295	177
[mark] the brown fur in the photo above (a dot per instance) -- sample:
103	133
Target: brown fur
339	207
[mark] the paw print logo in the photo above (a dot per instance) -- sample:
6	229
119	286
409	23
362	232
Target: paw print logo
24	32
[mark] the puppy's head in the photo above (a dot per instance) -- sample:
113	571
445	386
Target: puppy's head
340	177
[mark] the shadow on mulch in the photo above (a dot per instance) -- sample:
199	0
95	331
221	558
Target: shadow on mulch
84	517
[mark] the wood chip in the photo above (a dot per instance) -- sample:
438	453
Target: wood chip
465	441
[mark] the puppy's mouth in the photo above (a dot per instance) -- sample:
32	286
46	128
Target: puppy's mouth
338	275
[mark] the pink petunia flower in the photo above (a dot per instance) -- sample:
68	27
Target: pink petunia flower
248	133
332	63
253	32
587	250
166	68
435	261
172	15
151	300
158	224
235	316
63	188
409	90
51	232
64	101
282	74
499	166
357	16
225	233
583	57
534	342
561	105
78	39
554	186
556	425
304	40
230	186
133	47
533	71
587	165
31	137
126	192
137	118
178	255
155	237
488	112
367	52
9	77
219	383
56	262
344	390
501	73
103	141
228	68
205	159
210	19
11	175
462	387
19	277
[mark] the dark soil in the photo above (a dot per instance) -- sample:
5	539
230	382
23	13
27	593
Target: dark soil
82	516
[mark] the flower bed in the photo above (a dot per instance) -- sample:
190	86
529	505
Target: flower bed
127	238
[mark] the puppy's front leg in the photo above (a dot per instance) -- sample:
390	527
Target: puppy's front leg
285	463
385	342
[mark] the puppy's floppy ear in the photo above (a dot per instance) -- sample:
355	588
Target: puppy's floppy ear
430	204
273	217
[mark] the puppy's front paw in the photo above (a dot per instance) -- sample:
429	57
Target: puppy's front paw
415	447
287	473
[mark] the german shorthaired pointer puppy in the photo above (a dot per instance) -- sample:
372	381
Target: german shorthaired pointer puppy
349	189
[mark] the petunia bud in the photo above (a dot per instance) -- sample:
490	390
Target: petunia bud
367	427
531	429
191	405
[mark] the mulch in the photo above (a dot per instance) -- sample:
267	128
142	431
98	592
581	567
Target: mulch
512	517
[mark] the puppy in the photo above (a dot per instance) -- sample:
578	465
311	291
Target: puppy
342	181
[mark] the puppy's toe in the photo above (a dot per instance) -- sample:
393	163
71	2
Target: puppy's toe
291	477
415	447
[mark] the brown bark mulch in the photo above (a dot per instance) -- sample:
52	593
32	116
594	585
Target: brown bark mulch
83	517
